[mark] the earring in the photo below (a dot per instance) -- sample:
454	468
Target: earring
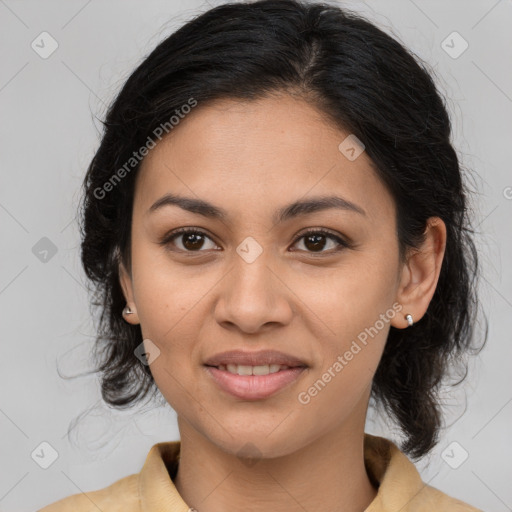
409	320
127	311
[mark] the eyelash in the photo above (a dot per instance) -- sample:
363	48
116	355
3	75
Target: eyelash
343	244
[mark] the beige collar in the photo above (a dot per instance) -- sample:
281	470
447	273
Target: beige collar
398	479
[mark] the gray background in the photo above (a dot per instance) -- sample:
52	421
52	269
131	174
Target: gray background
49	132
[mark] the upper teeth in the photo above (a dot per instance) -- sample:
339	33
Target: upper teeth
264	369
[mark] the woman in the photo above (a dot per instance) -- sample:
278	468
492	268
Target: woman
276	224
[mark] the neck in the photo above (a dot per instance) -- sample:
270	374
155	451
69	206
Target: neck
327	474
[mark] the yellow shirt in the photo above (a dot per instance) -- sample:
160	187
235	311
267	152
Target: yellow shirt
400	488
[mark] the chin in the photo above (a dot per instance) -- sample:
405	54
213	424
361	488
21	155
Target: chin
256	443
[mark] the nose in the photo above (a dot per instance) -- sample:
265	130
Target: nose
253	296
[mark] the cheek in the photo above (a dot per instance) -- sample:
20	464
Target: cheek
167	294
342	382
168	307
350	298
356	306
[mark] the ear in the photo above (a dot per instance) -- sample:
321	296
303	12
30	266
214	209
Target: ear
127	287
420	274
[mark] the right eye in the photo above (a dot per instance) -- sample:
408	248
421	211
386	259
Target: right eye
192	239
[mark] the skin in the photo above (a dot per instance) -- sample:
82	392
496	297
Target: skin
252	158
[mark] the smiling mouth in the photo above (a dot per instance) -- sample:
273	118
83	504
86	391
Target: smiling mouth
240	369
251	383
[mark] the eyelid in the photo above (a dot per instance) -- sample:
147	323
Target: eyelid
343	242
171	235
340	240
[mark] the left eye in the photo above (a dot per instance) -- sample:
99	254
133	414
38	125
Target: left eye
314	238
193	240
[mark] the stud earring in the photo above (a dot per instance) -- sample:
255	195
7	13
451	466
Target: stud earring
409	320
127	311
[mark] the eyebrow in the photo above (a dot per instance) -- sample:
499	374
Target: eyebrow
295	209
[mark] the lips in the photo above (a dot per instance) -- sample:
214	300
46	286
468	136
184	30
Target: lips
261	358
254	375
254	387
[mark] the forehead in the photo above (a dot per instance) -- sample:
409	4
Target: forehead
252	155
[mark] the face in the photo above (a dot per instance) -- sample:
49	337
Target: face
251	281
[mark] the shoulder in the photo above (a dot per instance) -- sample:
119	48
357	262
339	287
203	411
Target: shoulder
430	498
121	496
400	486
